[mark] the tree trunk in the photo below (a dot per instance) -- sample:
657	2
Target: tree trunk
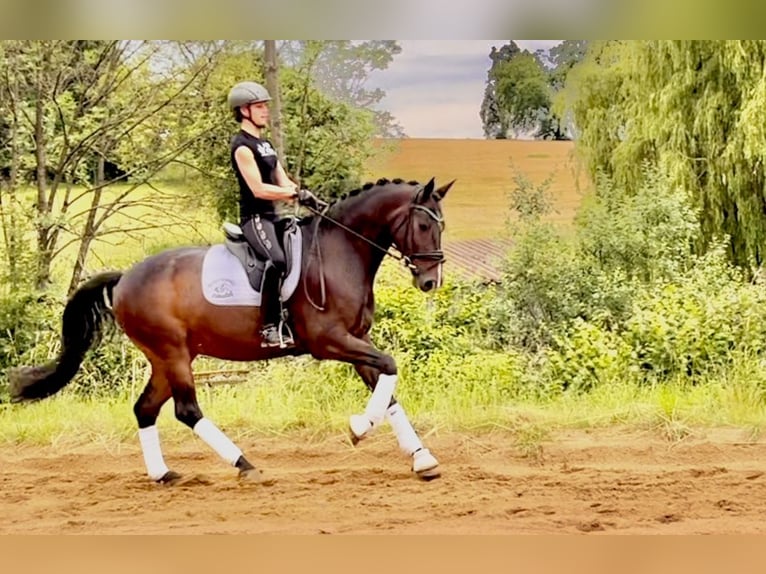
44	253
271	65
89	232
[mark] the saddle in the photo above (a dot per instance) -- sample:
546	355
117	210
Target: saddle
256	268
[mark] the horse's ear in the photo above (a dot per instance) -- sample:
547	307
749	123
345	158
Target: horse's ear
442	191
428	189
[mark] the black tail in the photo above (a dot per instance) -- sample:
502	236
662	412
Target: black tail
85	315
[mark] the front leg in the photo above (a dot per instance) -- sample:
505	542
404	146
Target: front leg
380	368
424	464
379	372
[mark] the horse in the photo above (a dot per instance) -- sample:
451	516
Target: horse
160	305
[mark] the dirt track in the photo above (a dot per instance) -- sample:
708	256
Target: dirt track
603	482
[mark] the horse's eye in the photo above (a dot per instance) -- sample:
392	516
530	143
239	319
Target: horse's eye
423	227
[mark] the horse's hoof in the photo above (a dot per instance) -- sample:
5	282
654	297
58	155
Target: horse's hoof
254	476
359	427
429	475
169	478
425	465
250	475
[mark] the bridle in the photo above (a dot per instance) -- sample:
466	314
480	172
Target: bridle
437	256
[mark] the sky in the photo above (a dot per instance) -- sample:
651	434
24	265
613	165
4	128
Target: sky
434	88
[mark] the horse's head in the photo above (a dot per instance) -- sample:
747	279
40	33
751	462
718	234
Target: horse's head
418	236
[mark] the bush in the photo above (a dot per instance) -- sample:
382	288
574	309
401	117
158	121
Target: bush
647	234
622	242
30	334
453	318
26	321
588	356
699	322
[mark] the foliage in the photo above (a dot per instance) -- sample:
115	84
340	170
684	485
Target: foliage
647	233
586	355
521	87
24	318
30	327
494	118
698	322
551	278
522	91
80	115
690	108
451	319
342	69
326	141
83	114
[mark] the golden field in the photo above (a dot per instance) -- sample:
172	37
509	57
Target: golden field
476	208
477	205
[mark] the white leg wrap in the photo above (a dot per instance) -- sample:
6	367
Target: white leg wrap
219	442
380	399
405	434
149	438
423	460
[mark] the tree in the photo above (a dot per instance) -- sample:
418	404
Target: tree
79	105
563	57
326	141
494	119
271	71
522	92
522	87
692	109
341	69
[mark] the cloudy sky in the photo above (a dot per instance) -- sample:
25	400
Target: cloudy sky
435	87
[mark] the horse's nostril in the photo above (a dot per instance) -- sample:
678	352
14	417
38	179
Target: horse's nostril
428	285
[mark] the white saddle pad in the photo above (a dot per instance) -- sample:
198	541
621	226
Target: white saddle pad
224	281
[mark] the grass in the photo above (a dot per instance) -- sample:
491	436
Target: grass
305	396
476	207
171	214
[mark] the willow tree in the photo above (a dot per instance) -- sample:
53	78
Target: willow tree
695	110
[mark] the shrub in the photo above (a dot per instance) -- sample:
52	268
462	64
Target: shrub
587	356
646	233
699	322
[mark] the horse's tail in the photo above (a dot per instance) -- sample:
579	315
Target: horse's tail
86	314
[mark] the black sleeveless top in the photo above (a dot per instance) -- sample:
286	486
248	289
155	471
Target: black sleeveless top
266	159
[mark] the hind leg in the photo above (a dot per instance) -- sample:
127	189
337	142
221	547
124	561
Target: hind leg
179	375
147	409
424	464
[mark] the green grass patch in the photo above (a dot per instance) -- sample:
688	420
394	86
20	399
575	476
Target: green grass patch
304	397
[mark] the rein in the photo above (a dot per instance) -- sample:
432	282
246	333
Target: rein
437	256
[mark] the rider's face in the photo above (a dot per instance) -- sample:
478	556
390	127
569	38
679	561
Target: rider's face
259	113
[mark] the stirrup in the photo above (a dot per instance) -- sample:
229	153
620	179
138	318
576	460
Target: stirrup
285	341
282	341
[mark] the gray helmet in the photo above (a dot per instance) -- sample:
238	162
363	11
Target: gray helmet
247	93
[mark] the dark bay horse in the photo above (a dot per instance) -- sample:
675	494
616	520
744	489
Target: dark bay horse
160	306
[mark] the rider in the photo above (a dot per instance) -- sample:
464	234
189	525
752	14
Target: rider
262	181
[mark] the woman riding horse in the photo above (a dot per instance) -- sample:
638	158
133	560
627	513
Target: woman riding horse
159	304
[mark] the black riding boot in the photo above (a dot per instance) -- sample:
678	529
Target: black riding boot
275	332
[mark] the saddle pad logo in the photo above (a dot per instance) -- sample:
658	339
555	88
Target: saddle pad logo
222	289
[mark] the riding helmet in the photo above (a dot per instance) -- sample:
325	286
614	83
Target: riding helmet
245	93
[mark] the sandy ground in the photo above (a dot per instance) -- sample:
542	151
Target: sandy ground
603	482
